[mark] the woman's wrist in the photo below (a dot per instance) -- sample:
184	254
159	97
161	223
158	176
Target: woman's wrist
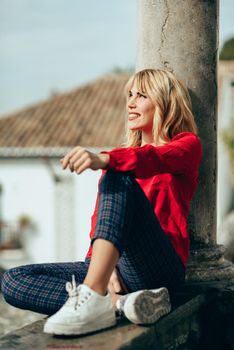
105	158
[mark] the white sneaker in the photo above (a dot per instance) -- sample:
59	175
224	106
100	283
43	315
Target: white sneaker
85	311
145	306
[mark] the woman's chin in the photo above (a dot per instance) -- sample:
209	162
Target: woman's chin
134	128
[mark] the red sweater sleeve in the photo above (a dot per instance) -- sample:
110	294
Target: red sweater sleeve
181	156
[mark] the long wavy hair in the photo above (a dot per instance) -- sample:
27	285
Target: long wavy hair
173	112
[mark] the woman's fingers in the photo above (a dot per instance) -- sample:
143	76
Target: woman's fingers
80	152
84	165
117	287
114	280
78	161
72	157
111	288
68	157
116	284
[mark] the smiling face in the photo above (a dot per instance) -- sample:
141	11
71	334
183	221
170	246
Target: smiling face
140	110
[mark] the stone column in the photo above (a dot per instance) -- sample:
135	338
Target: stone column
182	36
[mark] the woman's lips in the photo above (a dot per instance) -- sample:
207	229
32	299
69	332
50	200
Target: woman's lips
133	116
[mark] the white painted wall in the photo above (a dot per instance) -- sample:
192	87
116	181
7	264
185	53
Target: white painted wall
29	188
224	184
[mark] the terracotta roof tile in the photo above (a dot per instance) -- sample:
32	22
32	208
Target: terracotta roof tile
91	116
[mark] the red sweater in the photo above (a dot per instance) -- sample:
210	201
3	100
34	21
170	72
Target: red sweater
168	175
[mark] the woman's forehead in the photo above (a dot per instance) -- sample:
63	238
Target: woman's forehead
137	84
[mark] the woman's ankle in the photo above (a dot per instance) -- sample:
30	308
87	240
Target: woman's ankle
97	288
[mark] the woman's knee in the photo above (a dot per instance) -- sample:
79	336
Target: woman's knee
8	282
112	178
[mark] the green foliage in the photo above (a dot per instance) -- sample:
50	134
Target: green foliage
227	52
119	70
24	220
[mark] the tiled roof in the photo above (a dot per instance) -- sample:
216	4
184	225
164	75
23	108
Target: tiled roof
90	116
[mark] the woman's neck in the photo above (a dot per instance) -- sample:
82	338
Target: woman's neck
147	139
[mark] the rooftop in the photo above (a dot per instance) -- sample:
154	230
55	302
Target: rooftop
89	116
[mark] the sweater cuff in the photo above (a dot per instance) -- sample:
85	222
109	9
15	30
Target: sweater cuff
111	164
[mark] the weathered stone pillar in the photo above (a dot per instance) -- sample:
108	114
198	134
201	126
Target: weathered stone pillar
182	36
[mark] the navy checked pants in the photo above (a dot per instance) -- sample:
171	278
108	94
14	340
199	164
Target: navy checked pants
127	219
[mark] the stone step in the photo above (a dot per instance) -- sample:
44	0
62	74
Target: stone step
184	325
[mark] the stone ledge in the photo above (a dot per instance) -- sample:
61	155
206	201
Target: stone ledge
184	325
123	336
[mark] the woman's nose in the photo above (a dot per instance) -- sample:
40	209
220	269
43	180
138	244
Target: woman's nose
131	102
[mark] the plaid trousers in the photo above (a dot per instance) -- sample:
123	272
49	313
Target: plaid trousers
127	219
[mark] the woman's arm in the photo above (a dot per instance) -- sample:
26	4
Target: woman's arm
181	156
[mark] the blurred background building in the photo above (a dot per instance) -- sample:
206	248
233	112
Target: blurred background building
45	210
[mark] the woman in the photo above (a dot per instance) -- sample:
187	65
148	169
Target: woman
139	238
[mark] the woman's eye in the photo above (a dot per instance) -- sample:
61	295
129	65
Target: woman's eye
129	94
138	94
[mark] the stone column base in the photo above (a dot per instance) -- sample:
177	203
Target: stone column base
207	264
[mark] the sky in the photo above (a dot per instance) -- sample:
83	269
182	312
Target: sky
52	46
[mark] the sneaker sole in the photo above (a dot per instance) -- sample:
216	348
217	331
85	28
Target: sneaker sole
77	329
147	306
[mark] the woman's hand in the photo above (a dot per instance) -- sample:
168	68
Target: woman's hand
116	284
79	159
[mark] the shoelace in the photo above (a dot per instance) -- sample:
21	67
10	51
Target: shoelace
75	298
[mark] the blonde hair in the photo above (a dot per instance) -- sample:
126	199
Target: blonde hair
174	108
